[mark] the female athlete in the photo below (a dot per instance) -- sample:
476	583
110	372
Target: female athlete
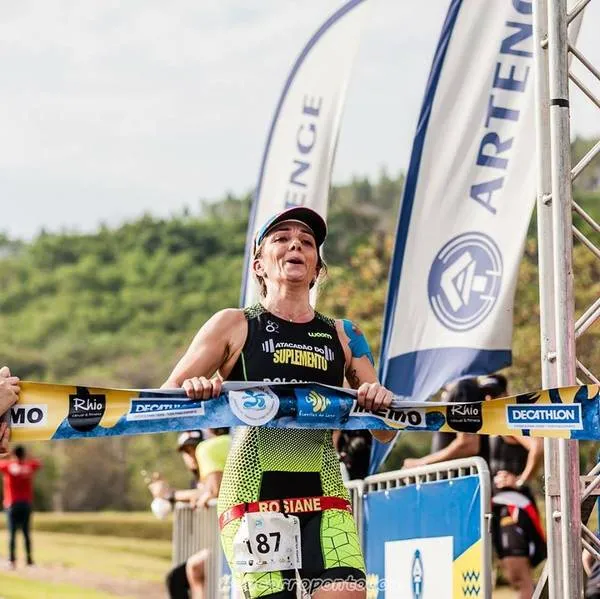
283	507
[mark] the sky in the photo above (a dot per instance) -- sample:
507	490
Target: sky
111	109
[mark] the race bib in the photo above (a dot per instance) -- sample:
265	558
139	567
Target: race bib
267	542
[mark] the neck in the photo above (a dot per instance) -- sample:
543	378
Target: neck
289	304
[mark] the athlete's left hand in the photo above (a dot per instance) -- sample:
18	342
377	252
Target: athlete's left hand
374	396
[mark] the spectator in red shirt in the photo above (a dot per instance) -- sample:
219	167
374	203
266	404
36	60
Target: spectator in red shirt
18	473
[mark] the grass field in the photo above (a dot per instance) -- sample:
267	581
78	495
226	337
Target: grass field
117	557
111	562
15	587
139	525
98	557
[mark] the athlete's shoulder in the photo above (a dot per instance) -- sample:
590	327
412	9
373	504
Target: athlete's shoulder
349	328
351	334
225	320
227	316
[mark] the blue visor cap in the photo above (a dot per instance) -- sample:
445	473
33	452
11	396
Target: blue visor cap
310	218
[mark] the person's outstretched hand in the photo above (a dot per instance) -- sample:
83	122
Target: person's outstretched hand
9	394
9	389
159	487
199	387
374	396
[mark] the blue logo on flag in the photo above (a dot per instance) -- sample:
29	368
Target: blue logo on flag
464	281
544	416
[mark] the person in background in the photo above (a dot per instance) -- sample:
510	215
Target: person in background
18	472
517	532
9	393
354	451
176	579
592	570
204	456
452	446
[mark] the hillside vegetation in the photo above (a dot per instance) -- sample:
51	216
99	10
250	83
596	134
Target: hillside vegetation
118	306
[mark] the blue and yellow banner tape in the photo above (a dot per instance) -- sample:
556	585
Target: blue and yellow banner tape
48	412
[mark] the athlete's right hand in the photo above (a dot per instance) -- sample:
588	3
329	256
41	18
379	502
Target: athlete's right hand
9	389
199	387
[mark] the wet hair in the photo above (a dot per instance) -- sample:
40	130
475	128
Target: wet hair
465	391
20	452
493	385
262	286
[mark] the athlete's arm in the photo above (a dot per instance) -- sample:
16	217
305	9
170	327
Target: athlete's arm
211	485
361	375
588	561
535	449
160	488
464	446
212	346
186	495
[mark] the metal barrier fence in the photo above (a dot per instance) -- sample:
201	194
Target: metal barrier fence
198	529
438	516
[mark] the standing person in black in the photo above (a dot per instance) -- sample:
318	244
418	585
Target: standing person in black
354	451
517	532
452	446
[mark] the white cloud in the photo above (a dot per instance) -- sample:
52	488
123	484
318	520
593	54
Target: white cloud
109	108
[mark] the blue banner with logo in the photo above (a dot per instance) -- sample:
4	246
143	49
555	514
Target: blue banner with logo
425	540
468	199
46	411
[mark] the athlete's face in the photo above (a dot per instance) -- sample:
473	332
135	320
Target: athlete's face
289	254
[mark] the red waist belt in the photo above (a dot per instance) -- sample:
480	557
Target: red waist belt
292	505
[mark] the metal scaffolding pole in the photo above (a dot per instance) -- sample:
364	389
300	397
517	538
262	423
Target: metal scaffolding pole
566	464
546	286
559	331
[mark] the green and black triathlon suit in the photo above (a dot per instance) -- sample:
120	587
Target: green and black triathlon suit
269	463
